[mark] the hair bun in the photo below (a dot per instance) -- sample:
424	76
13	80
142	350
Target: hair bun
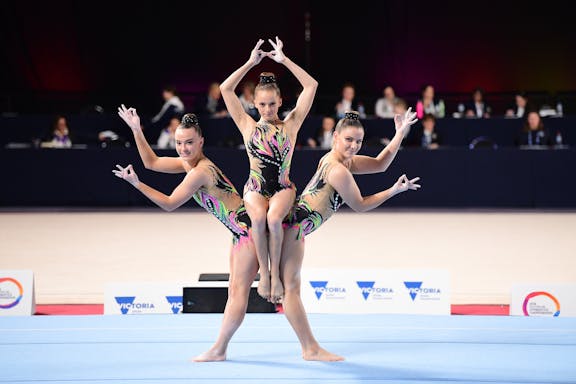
189	119
267	79
352	115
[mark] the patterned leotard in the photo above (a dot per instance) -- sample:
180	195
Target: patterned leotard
224	202
270	152
317	203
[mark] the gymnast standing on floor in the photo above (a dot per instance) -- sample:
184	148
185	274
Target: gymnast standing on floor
211	189
331	186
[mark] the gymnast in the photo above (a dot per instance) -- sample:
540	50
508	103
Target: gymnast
211	189
269	193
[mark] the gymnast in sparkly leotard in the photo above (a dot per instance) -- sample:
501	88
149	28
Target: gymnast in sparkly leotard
268	193
204	181
211	189
333	183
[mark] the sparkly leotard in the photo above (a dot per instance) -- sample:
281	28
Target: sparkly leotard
270	152
317	203
223	201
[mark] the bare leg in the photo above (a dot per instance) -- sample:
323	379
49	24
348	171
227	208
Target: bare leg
257	207
291	265
279	207
243	269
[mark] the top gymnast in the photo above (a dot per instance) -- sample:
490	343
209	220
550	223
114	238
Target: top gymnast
269	193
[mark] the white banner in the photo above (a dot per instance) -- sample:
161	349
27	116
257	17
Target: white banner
148	298
376	291
17	293
551	300
143	298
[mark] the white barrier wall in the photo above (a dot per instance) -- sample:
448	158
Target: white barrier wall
17	293
376	291
551	300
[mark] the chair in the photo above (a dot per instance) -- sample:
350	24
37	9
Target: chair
483	142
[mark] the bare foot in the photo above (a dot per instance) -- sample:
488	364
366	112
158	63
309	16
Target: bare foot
210	355
264	287
277	291
321	354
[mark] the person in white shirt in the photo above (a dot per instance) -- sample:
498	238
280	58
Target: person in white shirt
384	107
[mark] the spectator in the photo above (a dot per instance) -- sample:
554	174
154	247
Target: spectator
533	133
59	135
212	104
247	99
173	106
400	108
348	102
520	106
477	107
427	103
167	139
384	107
426	136
323	139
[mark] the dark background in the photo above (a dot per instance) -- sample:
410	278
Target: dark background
65	56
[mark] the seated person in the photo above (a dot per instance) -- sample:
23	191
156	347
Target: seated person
323	139
212	104
426	136
477	107
533	133
59	135
166	139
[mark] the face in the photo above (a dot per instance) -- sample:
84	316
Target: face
533	120
428	124
188	143
268	103
428	92
327	124
348	93
348	141
389	93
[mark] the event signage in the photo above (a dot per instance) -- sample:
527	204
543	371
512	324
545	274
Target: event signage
17	293
376	291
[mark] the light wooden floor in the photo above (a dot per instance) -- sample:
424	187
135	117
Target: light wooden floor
73	254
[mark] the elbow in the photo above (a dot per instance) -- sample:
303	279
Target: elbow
359	208
169	207
314	84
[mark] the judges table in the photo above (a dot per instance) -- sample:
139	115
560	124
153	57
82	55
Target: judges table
454	177
223	133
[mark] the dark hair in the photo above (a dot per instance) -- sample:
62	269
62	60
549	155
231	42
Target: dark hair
350	119
267	82
190	120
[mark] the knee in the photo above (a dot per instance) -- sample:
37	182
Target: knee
238	288
274	222
258	221
291	285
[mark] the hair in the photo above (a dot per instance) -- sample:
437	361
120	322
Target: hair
190	120
170	88
350	119
429	116
268	82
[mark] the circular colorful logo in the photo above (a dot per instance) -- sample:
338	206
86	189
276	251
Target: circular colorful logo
11	296
538	307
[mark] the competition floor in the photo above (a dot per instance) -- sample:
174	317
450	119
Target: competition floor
146	349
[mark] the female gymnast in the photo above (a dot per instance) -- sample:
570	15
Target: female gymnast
211	189
269	193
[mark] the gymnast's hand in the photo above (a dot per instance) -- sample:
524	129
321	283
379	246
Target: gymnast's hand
131	118
404	121
277	55
404	184
257	54
127	174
